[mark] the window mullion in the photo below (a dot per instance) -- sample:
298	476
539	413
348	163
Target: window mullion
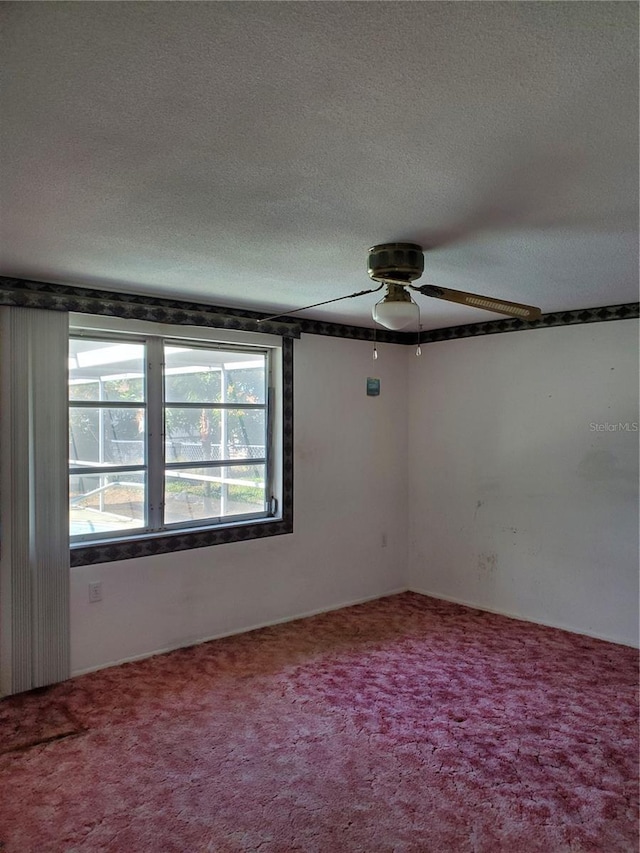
155	433
269	498
224	439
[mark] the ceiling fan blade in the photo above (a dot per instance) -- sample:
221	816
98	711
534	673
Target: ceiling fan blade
317	304
498	306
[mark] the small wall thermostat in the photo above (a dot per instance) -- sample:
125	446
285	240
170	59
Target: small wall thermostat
373	387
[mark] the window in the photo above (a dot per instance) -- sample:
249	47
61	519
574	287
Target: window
108	444
169	435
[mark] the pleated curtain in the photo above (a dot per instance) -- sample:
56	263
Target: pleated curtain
34	514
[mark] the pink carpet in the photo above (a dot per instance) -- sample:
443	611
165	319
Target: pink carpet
406	724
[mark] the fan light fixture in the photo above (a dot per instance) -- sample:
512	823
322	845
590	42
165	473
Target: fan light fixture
396	266
397	310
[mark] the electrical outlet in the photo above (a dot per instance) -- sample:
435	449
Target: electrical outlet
95	591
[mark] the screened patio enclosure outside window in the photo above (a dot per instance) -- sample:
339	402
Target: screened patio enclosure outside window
165	434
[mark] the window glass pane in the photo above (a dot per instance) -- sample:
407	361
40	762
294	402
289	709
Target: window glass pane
192	375
246	490
193	435
198	375
246	384
199	435
192	494
103	503
106	436
246	433
105	370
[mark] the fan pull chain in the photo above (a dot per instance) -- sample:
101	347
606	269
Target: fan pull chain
375	343
419	348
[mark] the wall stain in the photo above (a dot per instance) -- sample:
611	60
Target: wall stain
489	486
602	465
487	564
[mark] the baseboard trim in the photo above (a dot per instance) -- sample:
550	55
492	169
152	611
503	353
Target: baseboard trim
509	615
245	630
351	603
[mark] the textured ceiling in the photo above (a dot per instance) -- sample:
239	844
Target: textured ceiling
248	154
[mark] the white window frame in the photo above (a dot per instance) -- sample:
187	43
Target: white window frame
154	335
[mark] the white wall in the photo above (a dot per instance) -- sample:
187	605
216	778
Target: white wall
516	505
350	489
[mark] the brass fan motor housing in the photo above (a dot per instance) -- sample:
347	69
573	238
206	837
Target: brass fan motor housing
401	262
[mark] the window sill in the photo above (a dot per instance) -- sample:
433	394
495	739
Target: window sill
147	545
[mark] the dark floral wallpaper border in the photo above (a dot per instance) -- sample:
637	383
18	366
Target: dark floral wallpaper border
547	321
59	297
56	297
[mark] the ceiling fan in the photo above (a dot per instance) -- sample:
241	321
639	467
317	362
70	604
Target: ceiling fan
396	266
